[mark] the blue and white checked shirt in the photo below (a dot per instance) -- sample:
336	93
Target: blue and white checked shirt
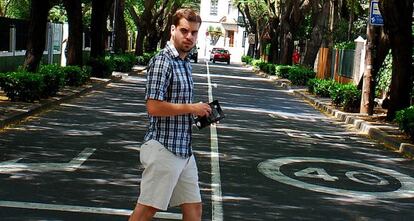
169	79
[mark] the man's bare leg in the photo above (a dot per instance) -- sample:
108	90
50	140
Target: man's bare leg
142	213
191	211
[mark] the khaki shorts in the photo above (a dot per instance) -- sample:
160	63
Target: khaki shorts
167	179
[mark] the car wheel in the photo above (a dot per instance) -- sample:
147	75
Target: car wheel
228	62
214	61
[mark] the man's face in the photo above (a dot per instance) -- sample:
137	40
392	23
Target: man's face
184	36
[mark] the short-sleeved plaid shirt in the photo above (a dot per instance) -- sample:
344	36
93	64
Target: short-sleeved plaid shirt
169	79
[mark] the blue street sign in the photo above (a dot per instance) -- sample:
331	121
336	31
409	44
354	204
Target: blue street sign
375	17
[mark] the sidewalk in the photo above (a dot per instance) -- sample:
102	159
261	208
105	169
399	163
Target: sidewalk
383	132
15	112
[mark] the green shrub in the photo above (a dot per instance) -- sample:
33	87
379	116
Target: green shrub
257	62
405	120
311	85
262	65
299	75
266	67
269	68
272	69
346	95
22	86
145	58
124	62
76	76
336	92
352	98
282	71
247	59
322	88
102	67
53	78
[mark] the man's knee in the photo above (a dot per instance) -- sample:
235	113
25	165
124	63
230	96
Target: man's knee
142	212
192	211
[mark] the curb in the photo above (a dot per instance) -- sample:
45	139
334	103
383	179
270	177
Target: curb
49	103
374	132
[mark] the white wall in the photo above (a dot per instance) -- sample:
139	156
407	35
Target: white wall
204	41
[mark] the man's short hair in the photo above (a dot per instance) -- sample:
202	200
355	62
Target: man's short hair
187	13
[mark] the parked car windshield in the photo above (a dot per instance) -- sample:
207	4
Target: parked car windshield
223	51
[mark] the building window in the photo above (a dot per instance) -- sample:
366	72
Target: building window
213	7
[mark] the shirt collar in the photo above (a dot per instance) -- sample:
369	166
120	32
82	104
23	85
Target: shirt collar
173	51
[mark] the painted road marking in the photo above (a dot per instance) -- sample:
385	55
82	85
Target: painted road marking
234	77
82	209
214	85
225	67
13	166
271	169
217	207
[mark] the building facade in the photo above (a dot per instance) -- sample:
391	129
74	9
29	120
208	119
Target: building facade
220	29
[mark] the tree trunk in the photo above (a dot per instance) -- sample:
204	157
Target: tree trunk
397	16
165	35
100	10
351	20
152	41
292	19
287	46
74	42
155	25
251	28
368	86
318	33
121	36
274	40
139	43
39	11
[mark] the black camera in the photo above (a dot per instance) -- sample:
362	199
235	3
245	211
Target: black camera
216	115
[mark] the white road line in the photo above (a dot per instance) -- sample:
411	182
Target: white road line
227	67
234	77
216	198
82	209
76	162
14	166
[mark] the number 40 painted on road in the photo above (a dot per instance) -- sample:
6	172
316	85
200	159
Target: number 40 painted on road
320	173
272	169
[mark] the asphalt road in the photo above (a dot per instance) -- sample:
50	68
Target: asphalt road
273	157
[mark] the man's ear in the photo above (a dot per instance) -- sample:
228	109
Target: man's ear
172	32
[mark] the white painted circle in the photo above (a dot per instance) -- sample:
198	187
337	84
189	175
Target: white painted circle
271	169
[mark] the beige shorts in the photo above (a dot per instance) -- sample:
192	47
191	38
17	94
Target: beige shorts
167	179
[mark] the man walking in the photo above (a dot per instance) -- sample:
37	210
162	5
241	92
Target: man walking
170	176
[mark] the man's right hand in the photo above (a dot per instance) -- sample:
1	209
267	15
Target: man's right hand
201	109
